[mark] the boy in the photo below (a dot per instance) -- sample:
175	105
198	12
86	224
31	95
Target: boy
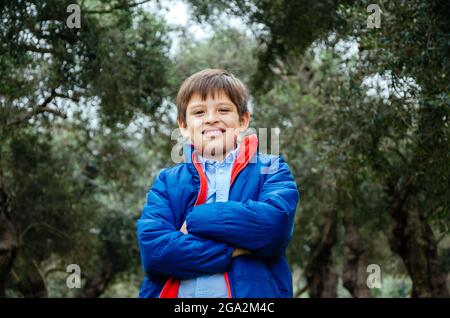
218	224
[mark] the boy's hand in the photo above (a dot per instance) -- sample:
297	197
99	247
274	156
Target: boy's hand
183	228
239	251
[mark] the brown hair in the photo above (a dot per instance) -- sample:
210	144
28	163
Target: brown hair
212	81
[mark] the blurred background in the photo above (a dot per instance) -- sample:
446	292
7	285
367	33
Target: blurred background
360	95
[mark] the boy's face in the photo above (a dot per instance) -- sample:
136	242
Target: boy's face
213	125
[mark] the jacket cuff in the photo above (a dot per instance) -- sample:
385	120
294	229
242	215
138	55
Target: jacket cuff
206	218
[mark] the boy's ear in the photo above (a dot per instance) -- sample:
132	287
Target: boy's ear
244	121
183	128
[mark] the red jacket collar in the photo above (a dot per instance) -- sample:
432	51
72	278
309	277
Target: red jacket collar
247	150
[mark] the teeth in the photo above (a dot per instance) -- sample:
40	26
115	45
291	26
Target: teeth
215	132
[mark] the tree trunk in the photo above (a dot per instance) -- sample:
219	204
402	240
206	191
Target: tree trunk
412	238
33	286
355	260
321	277
8	239
96	284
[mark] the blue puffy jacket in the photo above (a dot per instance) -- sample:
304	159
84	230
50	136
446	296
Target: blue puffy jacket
258	217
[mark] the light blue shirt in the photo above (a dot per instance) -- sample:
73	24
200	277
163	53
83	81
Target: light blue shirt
218	175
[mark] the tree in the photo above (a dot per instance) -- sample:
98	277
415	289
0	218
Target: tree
395	146
60	169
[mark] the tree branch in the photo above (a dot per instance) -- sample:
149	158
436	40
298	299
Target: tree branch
301	291
26	116
49	228
50	270
444	235
42	108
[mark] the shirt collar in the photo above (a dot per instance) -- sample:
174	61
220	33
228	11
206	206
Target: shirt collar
229	159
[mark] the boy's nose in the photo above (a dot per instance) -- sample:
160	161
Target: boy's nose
211	117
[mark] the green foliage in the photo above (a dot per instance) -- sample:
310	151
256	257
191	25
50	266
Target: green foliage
86	118
282	26
76	186
228	48
341	135
120	59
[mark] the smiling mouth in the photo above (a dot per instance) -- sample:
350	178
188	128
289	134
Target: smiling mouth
213	132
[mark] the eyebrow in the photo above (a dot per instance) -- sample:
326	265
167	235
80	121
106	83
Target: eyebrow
220	103
199	104
196	106
225	103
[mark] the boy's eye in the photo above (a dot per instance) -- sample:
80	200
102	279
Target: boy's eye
198	112
224	110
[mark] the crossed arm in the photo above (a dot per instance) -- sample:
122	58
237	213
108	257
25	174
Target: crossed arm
214	233
166	251
236	252
263	227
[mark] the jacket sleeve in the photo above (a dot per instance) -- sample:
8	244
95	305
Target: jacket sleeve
167	251
263	227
